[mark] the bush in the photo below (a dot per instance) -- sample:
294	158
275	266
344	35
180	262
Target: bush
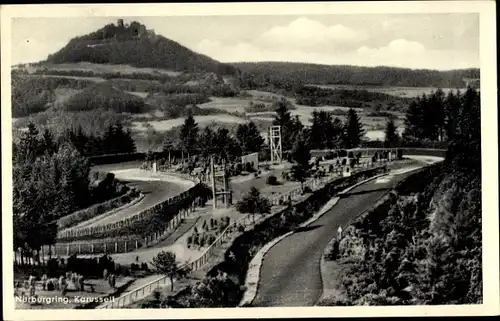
272	180
350	155
400	154
249	168
144	266
342	153
344	162
256	175
330	168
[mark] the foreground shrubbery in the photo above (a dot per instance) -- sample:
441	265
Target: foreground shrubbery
411	250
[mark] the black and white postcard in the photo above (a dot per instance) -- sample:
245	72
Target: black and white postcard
249	160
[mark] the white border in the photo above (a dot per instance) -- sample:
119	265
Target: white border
486	9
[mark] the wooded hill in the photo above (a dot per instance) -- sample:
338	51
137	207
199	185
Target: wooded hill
121	45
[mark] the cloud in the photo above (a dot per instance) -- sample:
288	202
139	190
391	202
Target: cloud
398	53
307	33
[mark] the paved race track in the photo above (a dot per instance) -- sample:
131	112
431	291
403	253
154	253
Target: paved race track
155	190
290	273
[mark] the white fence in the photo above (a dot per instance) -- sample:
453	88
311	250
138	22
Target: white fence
147	289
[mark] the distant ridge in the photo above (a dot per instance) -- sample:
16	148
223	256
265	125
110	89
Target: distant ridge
136	46
308	73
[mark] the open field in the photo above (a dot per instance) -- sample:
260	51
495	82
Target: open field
230	104
408	92
62	95
164	125
94	79
107	68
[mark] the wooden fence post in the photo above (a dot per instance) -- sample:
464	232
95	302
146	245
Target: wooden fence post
136	244
126	246
105	247
116	247
79	248
67	250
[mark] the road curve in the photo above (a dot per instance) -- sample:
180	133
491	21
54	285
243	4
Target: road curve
155	189
290	273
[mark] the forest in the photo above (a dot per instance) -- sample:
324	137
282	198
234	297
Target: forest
315	96
286	74
31	95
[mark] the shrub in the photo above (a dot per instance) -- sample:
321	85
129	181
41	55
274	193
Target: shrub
330	168
344	162
272	180
306	190
241	228
144	266
256	175
350	155
400	154
342	153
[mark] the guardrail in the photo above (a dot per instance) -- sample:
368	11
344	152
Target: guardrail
371	150
143	215
120	246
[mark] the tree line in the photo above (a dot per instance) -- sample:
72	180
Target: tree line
51	179
31	95
438	117
267	73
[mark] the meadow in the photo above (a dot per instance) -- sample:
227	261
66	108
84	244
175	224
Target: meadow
106	68
407	92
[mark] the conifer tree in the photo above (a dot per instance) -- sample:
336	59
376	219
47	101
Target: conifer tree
353	130
189	134
391	135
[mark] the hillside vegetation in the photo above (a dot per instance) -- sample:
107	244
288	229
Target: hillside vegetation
104	96
265	73
114	44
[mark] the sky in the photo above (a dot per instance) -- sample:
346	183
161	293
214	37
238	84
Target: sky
418	41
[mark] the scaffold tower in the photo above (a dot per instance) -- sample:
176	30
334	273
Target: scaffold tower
275	144
220	184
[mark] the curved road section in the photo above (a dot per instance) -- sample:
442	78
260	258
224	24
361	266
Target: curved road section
290	274
156	187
